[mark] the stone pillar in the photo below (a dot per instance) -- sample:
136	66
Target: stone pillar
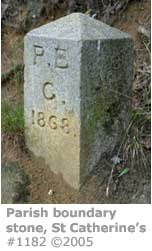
78	81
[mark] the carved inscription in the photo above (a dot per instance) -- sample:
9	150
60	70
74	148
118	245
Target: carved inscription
33	119
38	52
65	125
52	122
61	58
47	91
41	120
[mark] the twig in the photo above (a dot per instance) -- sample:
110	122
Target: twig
113	166
142	30
149	52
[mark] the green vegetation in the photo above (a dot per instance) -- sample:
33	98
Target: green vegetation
12	72
12	117
134	147
18	78
123	171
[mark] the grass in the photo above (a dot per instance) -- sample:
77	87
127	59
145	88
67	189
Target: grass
12	117
18	75
12	112
134	147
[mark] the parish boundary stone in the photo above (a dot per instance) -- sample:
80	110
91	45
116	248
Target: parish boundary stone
77	94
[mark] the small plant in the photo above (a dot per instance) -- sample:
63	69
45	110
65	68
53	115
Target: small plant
132	144
18	81
12	117
134	147
123	171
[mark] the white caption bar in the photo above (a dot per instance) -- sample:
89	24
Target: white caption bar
82	227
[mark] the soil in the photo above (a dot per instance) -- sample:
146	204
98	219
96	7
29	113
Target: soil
45	186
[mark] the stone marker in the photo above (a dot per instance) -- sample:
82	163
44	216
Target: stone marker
78	81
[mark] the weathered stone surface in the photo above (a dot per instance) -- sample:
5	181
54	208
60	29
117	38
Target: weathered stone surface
78	81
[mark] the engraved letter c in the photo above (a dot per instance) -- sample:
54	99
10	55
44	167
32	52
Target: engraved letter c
46	91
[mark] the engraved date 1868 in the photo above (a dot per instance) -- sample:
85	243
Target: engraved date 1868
41	120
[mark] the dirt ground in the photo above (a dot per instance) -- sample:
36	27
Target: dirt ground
45	186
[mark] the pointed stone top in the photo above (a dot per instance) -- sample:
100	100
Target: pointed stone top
77	27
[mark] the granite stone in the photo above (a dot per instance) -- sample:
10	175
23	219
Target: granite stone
77	94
